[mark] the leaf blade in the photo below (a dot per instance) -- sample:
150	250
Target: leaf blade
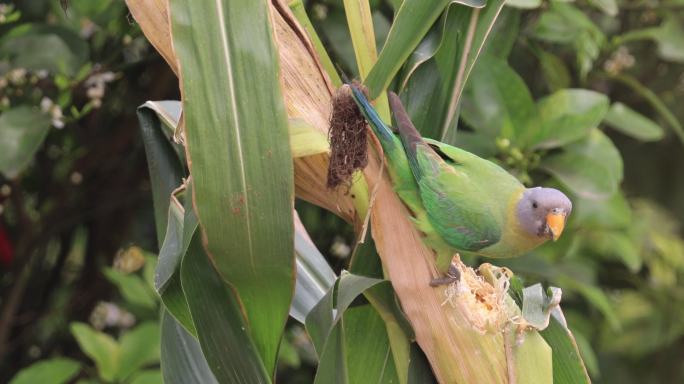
237	139
182	360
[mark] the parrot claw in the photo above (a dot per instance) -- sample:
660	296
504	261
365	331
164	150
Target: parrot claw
452	276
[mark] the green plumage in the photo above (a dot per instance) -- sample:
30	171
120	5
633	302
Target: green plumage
461	202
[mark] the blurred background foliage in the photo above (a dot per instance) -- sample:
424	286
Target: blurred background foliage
76	219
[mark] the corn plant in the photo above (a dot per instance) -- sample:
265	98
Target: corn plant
249	136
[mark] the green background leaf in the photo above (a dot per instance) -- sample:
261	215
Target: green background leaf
632	123
591	168
56	371
566	116
22	131
100	347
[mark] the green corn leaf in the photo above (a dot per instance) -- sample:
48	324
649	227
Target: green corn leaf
568	367
524	4
360	22
242	173
165	167
412	21
182	226
496	100
503	33
314	275
434	100
532	357
158	122
399	331
182	360
368	361
366	261
567	363
419	368
223	333
352	343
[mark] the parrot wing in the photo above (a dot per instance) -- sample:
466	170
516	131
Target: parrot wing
457	207
455	196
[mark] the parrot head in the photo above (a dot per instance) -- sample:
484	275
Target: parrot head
543	212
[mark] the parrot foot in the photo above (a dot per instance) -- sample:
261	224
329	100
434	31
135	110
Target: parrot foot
452	276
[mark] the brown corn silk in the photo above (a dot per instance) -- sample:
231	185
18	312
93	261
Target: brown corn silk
348	144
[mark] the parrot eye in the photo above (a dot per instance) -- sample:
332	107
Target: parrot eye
534	204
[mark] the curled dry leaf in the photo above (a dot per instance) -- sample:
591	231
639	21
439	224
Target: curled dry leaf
153	18
308	94
306	88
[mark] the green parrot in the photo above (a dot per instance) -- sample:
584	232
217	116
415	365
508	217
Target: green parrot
459	201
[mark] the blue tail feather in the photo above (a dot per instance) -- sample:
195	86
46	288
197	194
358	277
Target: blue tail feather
381	130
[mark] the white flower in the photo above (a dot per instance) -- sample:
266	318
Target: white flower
88	28
45	104
59	124
17	75
96	91
96	85
76	178
55	111
340	248
102	77
107	314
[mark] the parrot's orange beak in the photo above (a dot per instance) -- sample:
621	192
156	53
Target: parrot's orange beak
555	220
